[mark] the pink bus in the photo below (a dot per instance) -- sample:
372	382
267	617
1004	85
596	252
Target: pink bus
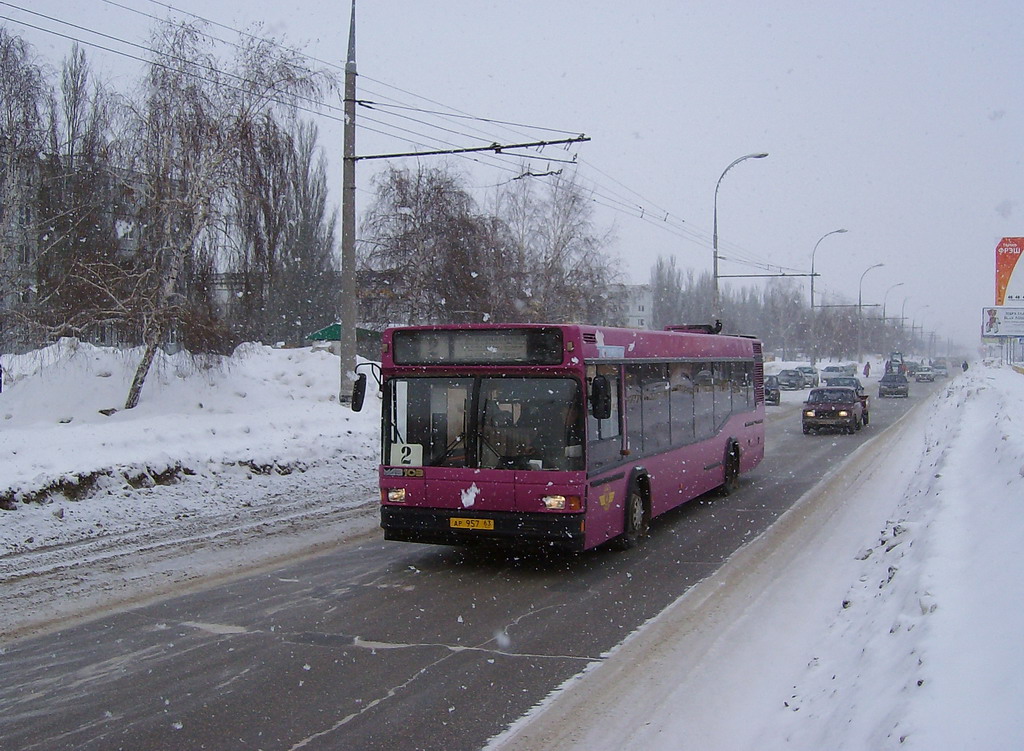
559	435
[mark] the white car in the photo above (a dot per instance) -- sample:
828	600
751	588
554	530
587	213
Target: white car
924	373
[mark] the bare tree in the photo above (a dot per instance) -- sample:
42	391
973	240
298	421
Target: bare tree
309	267
23	94
262	211
667	291
520	212
78	209
283	264
570	273
406	234
192	124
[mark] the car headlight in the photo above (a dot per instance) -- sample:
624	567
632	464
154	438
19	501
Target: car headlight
809	413
843	413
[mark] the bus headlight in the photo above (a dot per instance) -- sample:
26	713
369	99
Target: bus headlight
396	495
562	502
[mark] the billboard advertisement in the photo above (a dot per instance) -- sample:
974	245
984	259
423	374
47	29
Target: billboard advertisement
1002	321
1009	271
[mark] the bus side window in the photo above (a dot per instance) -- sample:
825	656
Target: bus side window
680	380
723	393
704	403
647	414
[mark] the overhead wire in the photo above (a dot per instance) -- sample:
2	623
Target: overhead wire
338	118
605	198
600	194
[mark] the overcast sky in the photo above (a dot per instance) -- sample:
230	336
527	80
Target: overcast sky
902	122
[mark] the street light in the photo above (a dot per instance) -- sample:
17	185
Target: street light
860	304
903	317
885	297
717	302
814	342
914	327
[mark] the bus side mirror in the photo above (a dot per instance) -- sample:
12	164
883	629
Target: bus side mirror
358	392
600	398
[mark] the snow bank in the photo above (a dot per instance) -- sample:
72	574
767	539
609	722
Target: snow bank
261	412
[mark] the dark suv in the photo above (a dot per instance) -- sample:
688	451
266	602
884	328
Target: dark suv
893	384
791	380
854	383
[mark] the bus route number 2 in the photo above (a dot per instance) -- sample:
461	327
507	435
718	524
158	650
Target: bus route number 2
410	454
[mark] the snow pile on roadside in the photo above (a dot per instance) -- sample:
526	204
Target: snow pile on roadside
884	612
925	650
68	469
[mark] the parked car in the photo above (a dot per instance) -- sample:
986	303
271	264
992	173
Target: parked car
855	384
772	395
893	384
833	407
810	373
833	371
924	373
845	380
791	380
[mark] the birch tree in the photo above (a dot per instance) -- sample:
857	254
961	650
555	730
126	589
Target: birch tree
191	124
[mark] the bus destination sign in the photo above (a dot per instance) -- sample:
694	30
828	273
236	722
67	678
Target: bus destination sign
534	346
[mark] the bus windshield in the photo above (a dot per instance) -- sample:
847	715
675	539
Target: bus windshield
485	423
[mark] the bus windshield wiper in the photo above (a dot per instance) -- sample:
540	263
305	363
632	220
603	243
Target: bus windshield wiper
448	450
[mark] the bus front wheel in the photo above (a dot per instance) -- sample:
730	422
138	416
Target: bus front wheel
636	525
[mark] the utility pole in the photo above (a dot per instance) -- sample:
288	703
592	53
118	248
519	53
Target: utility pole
348	303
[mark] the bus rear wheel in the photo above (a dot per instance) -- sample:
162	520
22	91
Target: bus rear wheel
731	475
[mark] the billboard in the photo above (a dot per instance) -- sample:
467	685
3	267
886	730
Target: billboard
1002	321
1009	271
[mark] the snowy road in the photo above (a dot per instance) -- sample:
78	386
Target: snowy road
272	522
410	629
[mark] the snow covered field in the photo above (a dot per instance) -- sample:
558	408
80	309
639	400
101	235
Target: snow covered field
882	612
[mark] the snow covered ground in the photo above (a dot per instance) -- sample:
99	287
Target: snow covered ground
883	612
221	468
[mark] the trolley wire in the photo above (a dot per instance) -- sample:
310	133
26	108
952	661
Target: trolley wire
646	211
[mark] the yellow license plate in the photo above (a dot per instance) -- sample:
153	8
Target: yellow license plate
462	523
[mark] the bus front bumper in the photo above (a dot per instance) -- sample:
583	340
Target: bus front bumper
460	527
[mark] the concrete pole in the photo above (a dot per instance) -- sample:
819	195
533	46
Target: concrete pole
348	302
